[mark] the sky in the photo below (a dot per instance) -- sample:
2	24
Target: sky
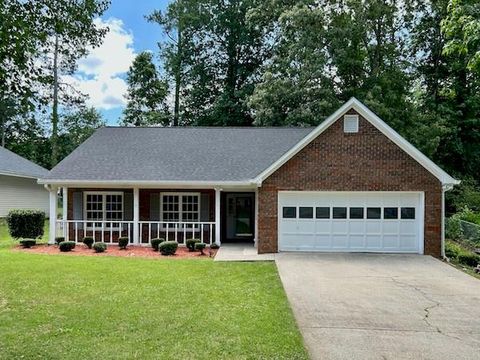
101	75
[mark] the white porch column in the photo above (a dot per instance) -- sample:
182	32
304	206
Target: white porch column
217	215
65	212
256	219
53	214
136	216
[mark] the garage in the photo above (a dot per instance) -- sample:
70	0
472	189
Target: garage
351	221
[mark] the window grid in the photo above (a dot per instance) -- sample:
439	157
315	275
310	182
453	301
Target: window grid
103	207
180	207
390	213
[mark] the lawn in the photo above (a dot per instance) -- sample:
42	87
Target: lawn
62	307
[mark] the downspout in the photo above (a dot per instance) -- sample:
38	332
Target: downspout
445	187
442	254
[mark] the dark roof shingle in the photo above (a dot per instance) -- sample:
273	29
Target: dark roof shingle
177	154
13	164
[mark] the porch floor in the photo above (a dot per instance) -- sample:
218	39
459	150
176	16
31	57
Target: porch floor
241	252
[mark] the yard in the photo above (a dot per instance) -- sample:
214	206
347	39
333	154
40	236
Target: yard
62	307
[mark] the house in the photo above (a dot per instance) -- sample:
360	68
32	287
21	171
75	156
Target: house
18	184
351	184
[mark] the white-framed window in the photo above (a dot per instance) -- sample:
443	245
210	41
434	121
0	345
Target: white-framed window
103	206
180	207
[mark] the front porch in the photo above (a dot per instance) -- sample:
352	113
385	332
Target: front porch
106	214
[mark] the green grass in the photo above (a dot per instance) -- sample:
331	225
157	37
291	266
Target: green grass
65	307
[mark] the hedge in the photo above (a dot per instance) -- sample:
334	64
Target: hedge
168	247
26	223
123	242
99	247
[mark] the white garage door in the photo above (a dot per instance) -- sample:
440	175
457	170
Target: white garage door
350	221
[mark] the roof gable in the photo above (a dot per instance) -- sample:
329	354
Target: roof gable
368	115
12	164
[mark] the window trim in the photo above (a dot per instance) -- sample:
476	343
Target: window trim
180	202
104	208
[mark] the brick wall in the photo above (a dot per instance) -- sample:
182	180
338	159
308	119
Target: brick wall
363	161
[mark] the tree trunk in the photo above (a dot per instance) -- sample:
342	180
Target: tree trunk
178	76
54	137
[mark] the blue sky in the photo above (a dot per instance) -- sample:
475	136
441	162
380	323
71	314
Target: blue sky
101	74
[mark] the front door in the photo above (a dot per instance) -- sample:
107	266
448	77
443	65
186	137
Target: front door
240	216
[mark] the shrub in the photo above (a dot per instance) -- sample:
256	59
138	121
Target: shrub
65	246
88	241
452	250
99	247
214	246
191	244
27	224
28	243
200	246
168	247
123	242
59	239
156	242
453	228
469	259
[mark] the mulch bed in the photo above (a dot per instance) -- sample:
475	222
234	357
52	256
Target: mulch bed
113	250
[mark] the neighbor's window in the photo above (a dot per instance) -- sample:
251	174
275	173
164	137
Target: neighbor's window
407	213
180	207
289	212
322	213
390	213
356	213
305	212
374	213
339	212
103	207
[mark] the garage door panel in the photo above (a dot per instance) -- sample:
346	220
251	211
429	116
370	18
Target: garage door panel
374	242
362	232
356	227
339	227
373	227
391	242
357	242
340	241
390	227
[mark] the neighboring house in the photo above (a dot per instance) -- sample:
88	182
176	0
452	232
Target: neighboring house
18	184
351	184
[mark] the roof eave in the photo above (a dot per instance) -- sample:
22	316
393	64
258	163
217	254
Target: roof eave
146	183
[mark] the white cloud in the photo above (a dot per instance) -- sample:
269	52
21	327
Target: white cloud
99	74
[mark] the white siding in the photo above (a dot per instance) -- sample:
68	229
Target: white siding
22	193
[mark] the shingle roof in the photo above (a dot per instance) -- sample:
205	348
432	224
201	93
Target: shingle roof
177	154
13	164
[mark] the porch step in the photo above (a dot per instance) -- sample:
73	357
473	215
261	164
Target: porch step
241	252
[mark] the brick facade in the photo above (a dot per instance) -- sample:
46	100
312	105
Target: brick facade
363	161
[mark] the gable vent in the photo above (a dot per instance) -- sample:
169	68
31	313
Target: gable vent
350	123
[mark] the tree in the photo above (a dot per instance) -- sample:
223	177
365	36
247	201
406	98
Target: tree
296	88
71	30
172	49
462	29
214	56
40	41
76	127
147	94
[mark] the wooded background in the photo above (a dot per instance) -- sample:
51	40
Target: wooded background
255	63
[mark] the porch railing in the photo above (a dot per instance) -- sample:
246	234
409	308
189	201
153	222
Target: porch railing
100	231
110	231
176	231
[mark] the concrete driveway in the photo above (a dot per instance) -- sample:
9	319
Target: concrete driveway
366	306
